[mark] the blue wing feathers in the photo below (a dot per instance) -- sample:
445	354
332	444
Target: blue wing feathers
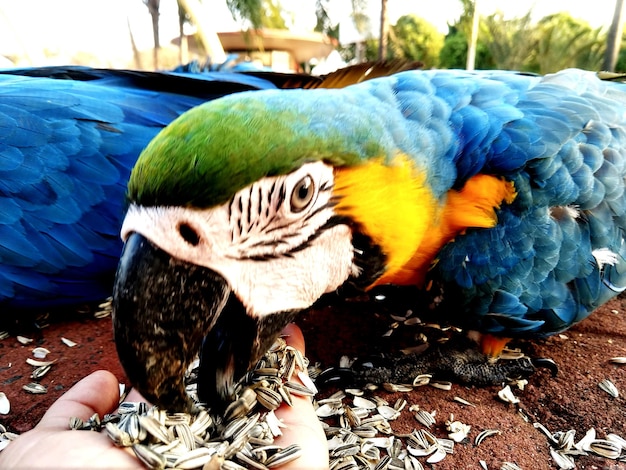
69	137
562	140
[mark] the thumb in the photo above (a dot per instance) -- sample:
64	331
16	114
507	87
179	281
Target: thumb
97	393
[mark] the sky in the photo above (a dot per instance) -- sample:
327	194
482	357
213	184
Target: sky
102	27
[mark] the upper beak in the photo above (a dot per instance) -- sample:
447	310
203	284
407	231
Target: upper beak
166	310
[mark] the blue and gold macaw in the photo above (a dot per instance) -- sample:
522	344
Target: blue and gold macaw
500	193
69	137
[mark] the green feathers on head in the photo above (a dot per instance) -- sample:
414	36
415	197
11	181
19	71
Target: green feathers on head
212	151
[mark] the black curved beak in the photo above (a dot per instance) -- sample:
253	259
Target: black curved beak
167	311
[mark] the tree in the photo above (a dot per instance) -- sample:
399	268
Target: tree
153	8
510	42
565	42
324	23
614	38
472	44
414	38
453	55
384	31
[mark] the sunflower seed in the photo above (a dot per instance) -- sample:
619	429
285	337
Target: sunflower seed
119	437
463	402
397	387
40	353
295	388
39	372
562	460
23	339
76	423
149	457
288	454
609	387
249	461
68	342
36	363
5	405
422	379
617	439
605	448
510	466
458	430
485	434
155	428
442	385
35	388
506	395
194	458
427	419
618	360
268	398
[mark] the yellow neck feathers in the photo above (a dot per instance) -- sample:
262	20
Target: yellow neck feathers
397	210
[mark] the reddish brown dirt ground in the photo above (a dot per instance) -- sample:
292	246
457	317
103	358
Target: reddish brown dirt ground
572	400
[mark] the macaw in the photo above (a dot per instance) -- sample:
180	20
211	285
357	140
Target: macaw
499	195
69	137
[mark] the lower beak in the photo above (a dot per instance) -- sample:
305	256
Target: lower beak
167	311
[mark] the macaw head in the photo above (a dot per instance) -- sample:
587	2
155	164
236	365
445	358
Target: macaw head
245	211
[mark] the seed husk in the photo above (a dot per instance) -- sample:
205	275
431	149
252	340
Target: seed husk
609	387
68	342
5	404
23	339
40	353
485	434
35	388
37	363
39	372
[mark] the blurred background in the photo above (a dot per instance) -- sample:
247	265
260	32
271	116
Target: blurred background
315	36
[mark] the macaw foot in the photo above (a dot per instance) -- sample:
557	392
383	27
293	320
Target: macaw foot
457	360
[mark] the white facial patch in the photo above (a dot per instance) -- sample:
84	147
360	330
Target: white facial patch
272	241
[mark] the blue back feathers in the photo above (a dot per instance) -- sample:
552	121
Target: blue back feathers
69	137
557	252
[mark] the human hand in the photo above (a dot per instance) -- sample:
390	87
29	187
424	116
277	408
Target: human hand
51	444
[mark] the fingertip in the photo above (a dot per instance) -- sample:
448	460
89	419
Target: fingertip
293	336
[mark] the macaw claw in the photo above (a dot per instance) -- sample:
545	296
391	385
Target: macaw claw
458	361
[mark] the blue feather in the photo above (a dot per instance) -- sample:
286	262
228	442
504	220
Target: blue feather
562	140
69	137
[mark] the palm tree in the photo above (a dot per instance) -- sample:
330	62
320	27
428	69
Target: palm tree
473	39
384	31
614	38
153	8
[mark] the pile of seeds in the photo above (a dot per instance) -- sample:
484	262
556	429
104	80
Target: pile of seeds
243	437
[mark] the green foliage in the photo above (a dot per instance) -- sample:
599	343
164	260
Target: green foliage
565	42
511	42
620	66
250	10
411	38
453	55
324	25
414	38
260	13
556	42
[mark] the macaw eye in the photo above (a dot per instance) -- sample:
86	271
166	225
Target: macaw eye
302	194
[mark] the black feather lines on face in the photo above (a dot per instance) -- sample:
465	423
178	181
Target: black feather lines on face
262	212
